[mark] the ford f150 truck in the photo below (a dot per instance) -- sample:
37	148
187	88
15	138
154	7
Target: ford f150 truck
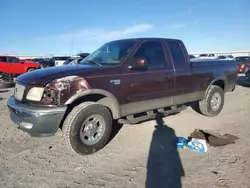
127	80
16	66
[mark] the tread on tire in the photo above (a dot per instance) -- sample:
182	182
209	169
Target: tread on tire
205	105
73	123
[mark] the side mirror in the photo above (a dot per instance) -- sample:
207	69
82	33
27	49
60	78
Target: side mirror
138	64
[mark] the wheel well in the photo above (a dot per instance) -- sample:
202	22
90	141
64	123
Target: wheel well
220	83
98	98
89	98
30	68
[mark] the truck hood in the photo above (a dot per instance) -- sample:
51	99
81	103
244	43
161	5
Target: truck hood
43	76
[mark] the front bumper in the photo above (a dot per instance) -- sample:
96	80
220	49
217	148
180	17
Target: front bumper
37	121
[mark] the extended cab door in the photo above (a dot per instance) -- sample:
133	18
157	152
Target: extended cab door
3	65
16	67
152	88
184	85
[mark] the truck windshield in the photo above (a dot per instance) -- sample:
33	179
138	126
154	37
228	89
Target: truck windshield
111	53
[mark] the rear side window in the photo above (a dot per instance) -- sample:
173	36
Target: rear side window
154	54
2	59
177	54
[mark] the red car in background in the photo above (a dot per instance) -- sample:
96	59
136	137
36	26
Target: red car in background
16	66
243	63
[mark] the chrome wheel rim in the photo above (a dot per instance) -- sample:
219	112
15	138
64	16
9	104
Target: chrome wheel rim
92	129
216	101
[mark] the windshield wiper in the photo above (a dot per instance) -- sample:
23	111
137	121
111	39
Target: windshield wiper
94	62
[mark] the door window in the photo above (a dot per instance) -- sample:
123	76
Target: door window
13	60
154	54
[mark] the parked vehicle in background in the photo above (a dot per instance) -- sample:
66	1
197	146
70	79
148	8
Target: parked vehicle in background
230	57
37	59
191	56
16	66
75	60
46	63
59	60
247	77
207	56
72	60
226	57
243	63
53	61
128	80
83	55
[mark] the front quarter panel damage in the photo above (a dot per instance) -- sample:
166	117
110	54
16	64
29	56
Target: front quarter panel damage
60	90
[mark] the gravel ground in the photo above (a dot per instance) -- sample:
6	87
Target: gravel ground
138	156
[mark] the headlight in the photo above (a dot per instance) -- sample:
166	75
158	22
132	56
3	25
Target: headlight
242	66
60	90
35	94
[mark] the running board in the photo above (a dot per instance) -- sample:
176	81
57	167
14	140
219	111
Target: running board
151	115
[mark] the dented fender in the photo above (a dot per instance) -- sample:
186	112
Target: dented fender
109	100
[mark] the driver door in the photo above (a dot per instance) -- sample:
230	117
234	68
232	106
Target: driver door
152	88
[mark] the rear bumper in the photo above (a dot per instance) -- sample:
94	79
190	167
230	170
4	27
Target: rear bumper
37	121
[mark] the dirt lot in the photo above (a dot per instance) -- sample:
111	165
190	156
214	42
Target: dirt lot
138	156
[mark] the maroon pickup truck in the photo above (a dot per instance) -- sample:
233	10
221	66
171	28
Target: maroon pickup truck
126	80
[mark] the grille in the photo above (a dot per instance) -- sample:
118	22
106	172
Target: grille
19	91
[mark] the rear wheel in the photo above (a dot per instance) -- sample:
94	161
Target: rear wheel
31	69
87	128
213	103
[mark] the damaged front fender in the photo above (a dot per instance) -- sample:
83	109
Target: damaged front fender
60	90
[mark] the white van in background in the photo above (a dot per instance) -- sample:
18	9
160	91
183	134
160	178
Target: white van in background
59	60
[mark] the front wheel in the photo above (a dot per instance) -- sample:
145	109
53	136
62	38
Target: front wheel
213	103
87	128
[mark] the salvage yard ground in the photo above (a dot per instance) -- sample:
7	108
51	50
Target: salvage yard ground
138	156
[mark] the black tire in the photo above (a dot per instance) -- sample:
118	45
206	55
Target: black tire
73	124
247	81
6	84
30	69
205	106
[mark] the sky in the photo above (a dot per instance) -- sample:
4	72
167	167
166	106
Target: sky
69	27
